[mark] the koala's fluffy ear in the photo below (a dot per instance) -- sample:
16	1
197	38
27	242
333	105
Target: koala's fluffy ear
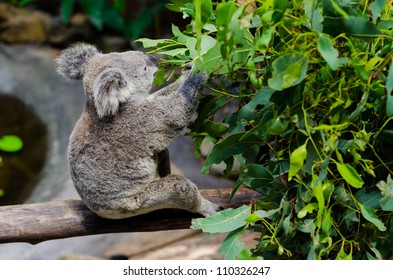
110	89
73	60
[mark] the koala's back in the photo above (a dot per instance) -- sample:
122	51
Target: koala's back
112	158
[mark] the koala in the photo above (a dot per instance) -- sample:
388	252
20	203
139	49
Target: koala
119	143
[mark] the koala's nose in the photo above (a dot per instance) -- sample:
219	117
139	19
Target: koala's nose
152	60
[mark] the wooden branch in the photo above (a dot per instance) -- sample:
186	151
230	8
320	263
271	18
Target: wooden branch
34	223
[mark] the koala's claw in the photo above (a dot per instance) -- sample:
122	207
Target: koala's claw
188	67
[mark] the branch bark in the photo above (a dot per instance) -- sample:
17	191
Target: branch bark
34	223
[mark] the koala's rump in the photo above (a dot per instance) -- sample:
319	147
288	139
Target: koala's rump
102	174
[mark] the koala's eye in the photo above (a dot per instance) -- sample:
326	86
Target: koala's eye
145	69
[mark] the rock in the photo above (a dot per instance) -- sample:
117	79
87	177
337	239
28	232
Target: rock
22	26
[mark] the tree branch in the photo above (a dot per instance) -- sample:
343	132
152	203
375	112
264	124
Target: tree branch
34	223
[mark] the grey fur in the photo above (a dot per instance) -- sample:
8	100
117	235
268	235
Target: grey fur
73	61
115	145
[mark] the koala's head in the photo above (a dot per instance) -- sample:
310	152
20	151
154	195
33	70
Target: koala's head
109	79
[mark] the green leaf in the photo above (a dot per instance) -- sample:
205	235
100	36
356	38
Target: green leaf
248	111
342	255
369	214
326	222
376	252
309	208
328	52
224	221
360	27
262	43
268	213
288	70
11	143
389	80
296	160
314	14
231	247
94	10
211	61
376	8
152	43
350	175
159	77
389	105
230	146
305	226
66	9
386	202
287	225
203	10
256	175
370	199
174	52
215	129
224	12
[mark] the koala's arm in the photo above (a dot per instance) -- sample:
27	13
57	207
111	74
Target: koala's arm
179	105
172	112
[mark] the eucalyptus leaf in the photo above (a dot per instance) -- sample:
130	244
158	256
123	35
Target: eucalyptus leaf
296	160
350	175
328	52
389	105
376	8
305	226
309	208
360	27
230	146
267	214
152	43
389	80
342	255
370	199
174	52
287	225
215	129
66	9
386	188
223	221
314	14
231	247
369	214
224	12
288	70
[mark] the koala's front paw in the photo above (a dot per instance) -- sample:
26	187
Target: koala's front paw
197	80
208	208
188	67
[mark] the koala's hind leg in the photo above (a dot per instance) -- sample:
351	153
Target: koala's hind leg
175	191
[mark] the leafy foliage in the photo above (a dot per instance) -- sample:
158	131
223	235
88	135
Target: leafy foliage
313	128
